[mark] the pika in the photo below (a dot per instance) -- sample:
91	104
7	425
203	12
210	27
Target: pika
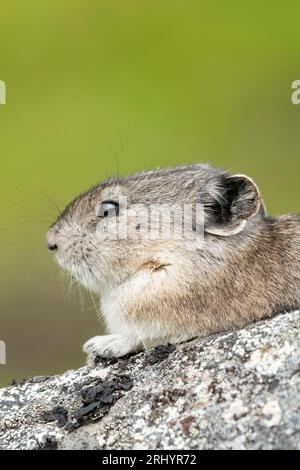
242	266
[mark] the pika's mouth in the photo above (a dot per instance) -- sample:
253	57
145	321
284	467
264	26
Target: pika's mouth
81	271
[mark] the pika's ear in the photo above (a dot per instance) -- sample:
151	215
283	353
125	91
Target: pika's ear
235	200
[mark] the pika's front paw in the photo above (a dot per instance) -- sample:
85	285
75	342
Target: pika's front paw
107	346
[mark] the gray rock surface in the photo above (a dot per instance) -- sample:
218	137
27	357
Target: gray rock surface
238	390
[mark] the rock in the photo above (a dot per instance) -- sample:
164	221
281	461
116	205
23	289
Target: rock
237	390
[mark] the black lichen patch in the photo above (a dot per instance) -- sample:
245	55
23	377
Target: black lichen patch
98	399
49	443
104	391
79	386
121	361
159	354
58	413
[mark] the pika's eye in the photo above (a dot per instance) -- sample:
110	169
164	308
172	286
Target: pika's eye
107	208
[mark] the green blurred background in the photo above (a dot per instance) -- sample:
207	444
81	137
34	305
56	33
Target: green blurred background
94	85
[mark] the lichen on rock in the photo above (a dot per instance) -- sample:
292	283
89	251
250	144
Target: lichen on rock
236	390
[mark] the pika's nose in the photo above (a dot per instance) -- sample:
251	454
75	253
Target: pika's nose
51	241
52	247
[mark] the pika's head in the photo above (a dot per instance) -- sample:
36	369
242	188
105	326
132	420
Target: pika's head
105	234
